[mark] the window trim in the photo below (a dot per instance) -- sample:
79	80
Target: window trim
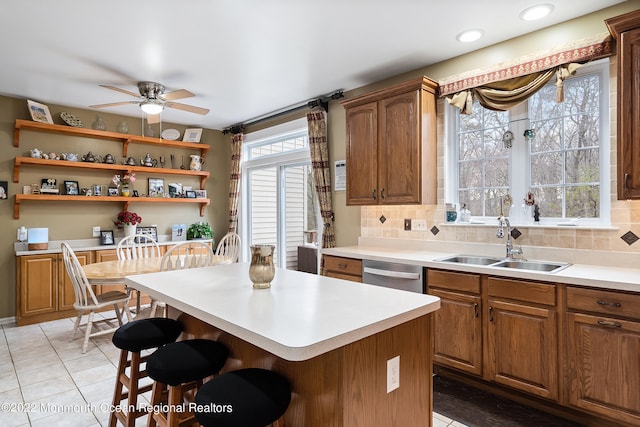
451	153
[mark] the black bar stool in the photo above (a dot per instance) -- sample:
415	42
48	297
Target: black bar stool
134	337
249	397
177	368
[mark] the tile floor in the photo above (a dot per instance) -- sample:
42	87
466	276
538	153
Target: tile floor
45	380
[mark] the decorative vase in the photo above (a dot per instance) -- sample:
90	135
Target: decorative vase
148	131
262	270
99	124
124	190
129	230
122	127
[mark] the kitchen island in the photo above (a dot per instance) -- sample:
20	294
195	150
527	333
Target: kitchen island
331	338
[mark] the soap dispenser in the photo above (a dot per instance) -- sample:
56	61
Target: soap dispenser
465	214
22	234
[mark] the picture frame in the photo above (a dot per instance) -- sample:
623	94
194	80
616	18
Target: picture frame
156	187
97	190
192	135
48	186
190	194
39	112
112	191
4	190
106	237
148	231
71	188
135	193
175	189
201	194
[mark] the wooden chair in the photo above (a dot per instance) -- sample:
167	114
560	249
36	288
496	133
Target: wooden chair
136	247
229	247
190	254
87	301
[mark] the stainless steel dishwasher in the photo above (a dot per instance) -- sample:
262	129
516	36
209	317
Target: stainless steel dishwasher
393	275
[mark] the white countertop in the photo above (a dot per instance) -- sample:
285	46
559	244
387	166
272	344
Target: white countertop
599	276
301	316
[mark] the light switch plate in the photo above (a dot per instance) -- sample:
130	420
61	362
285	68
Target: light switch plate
407	224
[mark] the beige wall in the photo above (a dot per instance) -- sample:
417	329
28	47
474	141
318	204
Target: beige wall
69	220
625	214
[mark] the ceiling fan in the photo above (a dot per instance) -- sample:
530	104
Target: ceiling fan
152	100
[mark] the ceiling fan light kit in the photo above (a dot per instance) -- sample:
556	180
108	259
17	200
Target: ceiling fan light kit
151	106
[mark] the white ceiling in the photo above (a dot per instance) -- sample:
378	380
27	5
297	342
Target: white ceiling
241	58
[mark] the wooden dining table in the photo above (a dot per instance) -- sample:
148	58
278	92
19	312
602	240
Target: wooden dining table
114	272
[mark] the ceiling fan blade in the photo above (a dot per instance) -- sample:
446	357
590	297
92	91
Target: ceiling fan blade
117	89
177	94
113	104
153	118
185	107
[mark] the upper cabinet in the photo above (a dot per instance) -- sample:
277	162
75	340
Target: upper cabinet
391	145
626	30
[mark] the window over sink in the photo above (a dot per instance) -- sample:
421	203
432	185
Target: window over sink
557	151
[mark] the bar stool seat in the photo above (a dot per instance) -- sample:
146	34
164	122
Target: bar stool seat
177	368
249	397
134	337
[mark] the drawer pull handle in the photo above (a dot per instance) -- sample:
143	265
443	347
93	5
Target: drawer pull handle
382	193
373	194
609	324
626	181
609	304
490	314
341	265
475	310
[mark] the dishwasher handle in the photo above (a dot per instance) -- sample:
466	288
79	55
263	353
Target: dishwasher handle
390	273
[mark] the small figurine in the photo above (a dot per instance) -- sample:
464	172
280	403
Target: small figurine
36	154
536	213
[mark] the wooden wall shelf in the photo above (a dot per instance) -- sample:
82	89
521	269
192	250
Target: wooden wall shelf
126	201
125	138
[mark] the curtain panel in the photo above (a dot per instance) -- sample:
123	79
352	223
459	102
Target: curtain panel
317	130
234	182
505	85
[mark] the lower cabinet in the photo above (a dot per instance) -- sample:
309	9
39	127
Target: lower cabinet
45	291
519	347
342	268
603	353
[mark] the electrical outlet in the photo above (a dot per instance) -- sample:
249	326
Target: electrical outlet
393	374
419	224
407	224
96	231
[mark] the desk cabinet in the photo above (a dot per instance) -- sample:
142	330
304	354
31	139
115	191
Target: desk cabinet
44	289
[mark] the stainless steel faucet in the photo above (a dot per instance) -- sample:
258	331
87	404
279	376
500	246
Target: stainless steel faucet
511	251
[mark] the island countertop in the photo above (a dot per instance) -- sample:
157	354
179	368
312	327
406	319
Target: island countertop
300	317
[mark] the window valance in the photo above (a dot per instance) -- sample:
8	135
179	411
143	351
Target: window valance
507	84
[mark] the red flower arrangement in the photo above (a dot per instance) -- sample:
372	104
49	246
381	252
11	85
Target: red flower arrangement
127	218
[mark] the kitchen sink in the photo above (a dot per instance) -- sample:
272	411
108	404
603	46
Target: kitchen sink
470	259
547	267
516	264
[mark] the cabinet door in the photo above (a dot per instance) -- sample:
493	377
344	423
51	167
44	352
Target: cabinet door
522	347
38	284
629	115
399	149
458	331
66	294
362	160
604	358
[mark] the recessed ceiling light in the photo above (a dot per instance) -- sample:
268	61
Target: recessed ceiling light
469	36
536	12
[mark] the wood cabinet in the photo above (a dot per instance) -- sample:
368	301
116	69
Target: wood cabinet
458	322
522	336
342	268
502	330
391	145
603	353
125	139
626	30
44	289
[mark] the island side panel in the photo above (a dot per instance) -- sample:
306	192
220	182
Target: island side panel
346	386
366	401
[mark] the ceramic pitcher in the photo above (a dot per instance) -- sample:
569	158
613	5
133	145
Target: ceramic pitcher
196	162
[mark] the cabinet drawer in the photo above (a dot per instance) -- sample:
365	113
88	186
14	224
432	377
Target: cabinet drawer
343	265
540	293
463	282
605	302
